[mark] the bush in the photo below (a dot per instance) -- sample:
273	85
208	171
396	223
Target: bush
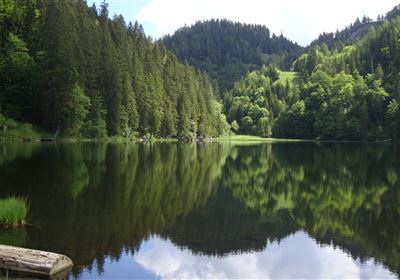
11	124
27	126
2	119
187	137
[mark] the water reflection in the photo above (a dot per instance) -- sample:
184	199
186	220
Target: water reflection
224	209
296	257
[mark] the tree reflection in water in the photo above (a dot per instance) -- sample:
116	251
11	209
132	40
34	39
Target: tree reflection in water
94	201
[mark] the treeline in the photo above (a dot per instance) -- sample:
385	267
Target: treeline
226	50
353	32
350	34
348	93
68	66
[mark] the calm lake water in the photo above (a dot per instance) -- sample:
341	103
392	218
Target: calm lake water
284	210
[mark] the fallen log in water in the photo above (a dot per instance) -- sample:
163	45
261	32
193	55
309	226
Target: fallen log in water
33	262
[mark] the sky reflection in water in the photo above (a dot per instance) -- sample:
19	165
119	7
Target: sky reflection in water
296	257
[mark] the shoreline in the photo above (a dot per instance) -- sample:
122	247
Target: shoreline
223	139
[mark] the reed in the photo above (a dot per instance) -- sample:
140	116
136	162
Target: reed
13	211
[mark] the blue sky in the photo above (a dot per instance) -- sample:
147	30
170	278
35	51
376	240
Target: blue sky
300	21
129	9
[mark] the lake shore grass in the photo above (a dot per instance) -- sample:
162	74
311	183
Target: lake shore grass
13	211
250	138
25	132
22	131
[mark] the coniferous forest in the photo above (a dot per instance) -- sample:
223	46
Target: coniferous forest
69	67
227	50
76	69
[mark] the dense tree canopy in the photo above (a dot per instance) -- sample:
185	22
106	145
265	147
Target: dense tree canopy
64	64
255	100
69	66
352	92
227	50
347	93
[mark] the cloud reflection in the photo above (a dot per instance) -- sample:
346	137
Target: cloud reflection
298	256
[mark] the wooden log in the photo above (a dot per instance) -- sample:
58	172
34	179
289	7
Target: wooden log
33	262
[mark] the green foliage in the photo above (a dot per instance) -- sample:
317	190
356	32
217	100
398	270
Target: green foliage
231	49
17	73
66	65
337	92
392	117
246	124
11	129
350	34
257	98
13	210
286	77
76	110
235	126
349	91
291	123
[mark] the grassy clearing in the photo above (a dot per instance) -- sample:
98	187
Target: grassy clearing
13	211
20	130
249	138
286	76
272	58
119	139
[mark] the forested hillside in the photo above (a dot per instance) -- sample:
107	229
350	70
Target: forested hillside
353	32
66	66
226	50
69	66
348	93
353	93
348	35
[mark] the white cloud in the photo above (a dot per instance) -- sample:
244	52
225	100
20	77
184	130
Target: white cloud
296	257
300	21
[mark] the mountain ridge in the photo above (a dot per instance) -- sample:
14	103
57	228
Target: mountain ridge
226	50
